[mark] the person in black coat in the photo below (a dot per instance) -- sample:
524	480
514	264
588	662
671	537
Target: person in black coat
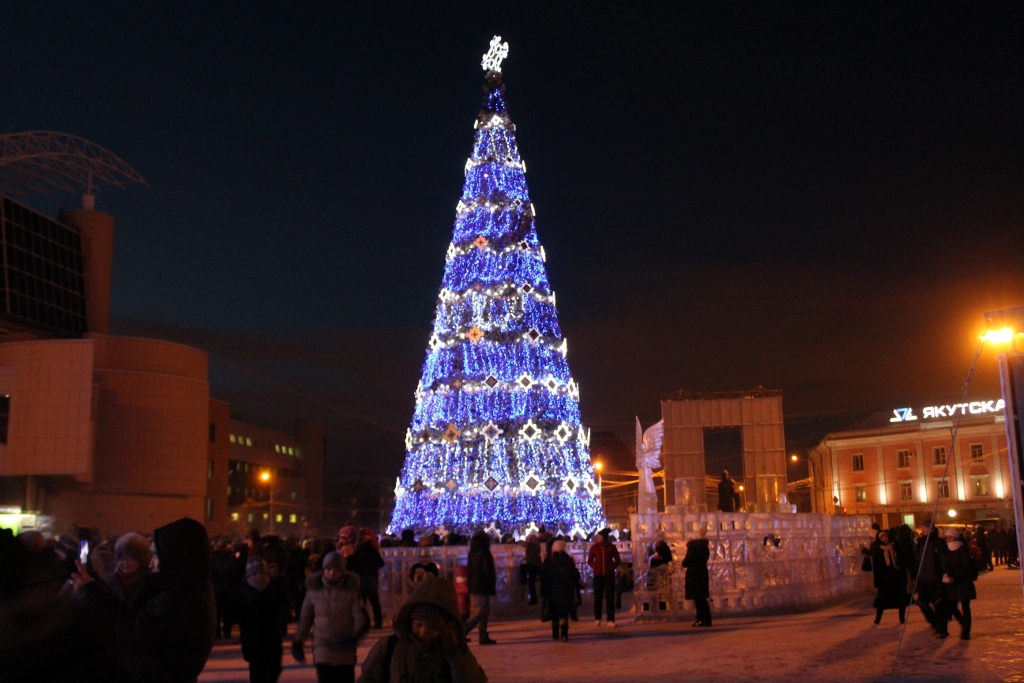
559	585
890	578
169	633
728	498
483	583
263	610
698	581
366	561
958	574
929	593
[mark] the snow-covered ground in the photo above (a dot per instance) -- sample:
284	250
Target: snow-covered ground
837	643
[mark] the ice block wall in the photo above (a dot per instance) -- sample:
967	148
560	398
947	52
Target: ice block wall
761	563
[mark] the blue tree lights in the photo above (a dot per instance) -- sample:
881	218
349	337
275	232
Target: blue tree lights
495	439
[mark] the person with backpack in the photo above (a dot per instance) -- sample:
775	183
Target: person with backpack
958	575
429	643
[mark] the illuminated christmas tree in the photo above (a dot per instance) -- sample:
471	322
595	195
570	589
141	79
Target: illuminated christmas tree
496	439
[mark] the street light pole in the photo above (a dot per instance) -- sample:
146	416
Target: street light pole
265	476
1006	326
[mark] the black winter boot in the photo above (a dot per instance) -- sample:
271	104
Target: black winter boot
565	633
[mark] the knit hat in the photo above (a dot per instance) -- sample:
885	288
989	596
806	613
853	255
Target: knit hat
426	612
333	560
134	546
605	532
256	565
558	547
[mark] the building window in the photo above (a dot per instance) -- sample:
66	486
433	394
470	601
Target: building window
251	517
861	494
939	455
234	516
906	490
294	495
213	432
977	451
981	486
278	517
248	442
209	469
209	509
293	518
903	458
232	438
858	462
942	486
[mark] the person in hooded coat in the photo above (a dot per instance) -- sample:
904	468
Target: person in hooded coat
428	645
559	584
167	636
263	610
334	613
132	557
698	581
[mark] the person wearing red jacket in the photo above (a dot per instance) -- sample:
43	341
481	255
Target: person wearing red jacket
603	559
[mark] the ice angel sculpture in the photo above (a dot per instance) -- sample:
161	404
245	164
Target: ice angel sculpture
648	454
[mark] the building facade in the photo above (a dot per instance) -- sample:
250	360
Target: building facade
121	433
903	466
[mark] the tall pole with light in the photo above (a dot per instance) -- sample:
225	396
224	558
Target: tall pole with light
1006	329
598	466
266	477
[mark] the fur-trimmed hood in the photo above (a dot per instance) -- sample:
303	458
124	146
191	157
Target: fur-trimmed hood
433	591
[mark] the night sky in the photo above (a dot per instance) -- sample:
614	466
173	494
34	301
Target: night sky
822	198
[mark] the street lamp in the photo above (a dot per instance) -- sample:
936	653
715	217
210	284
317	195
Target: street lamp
1005	327
598	466
267	479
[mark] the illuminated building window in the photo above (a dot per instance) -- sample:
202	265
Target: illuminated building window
231	438
977	451
903	458
291	451
939	455
861	494
293	518
906	490
229	490
858	462
248	442
234	516
266	515
942	487
251	517
277	448
278	517
981	486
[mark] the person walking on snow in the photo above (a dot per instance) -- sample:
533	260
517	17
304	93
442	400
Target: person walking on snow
559	581
483	584
334	613
698	581
603	559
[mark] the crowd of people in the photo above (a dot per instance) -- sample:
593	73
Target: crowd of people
149	608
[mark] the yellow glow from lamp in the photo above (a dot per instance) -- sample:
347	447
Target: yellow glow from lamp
598	466
1002	336
265	476
951	513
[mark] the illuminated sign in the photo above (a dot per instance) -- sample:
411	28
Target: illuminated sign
949	410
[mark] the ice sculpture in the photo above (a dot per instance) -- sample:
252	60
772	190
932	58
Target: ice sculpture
648	454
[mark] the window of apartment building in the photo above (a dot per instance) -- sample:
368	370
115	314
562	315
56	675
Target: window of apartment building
977	451
942	487
858	462
251	517
293	518
906	490
294	495
981	486
209	469
861	494
213	432
209	509
939	455
903	458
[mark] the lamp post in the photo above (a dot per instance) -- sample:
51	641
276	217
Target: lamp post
1006	328
267	479
598	466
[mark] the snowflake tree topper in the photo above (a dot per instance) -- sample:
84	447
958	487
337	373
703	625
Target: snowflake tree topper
498	52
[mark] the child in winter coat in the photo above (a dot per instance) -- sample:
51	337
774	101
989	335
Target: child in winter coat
333	606
428	645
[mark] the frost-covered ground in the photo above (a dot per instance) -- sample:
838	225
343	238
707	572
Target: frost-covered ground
838	643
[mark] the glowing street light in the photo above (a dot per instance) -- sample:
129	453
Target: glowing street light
794	457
